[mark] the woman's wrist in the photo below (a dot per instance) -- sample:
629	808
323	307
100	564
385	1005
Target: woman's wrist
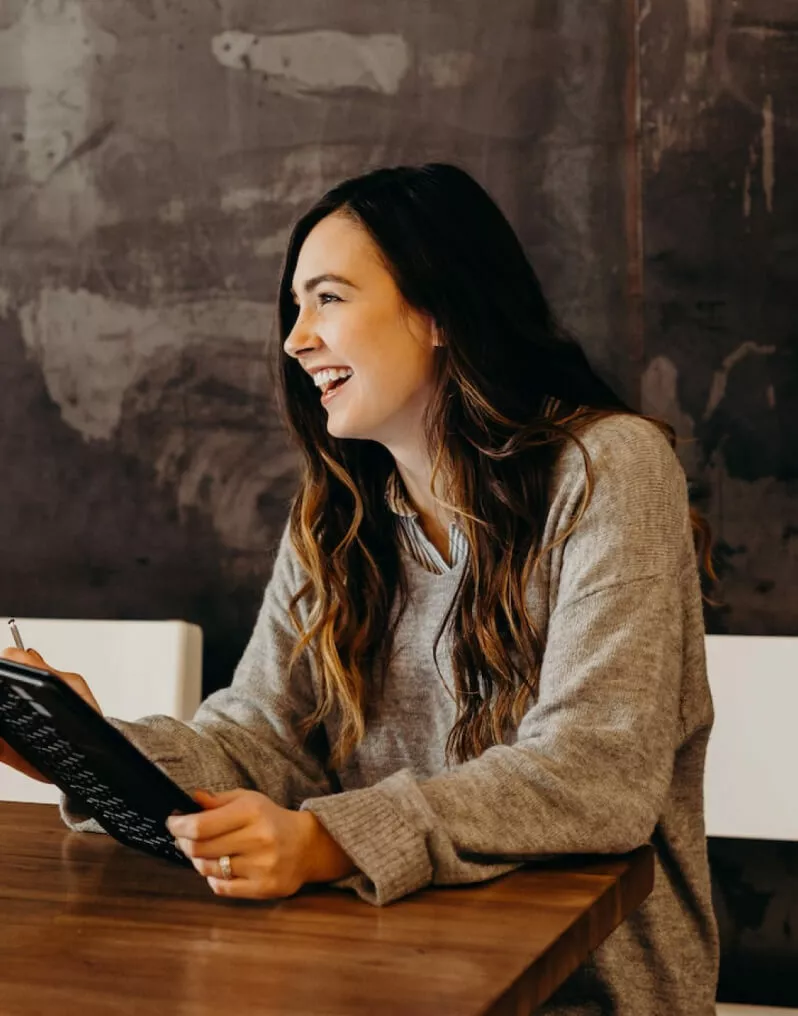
326	861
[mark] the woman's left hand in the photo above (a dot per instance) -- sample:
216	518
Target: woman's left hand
273	851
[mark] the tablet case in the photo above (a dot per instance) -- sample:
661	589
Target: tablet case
102	773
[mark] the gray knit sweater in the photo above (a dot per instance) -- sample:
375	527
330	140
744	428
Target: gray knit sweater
610	756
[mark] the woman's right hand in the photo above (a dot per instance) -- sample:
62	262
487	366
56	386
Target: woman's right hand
32	659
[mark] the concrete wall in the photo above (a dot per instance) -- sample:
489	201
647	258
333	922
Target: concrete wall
153	155
719	90
719	160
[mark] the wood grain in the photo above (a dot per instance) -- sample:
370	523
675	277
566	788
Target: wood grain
89	927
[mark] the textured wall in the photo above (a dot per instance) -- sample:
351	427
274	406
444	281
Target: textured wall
719	85
719	93
153	155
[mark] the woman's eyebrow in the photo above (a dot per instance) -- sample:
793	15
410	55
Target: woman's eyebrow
317	280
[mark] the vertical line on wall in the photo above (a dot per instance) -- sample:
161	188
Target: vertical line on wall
633	204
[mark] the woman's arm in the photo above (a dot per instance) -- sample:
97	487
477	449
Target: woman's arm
244	735
592	765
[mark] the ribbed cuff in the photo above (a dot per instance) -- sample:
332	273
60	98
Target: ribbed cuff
76	820
391	854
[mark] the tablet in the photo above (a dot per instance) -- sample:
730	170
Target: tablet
102	773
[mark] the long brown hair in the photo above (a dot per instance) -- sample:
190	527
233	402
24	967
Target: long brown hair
511	389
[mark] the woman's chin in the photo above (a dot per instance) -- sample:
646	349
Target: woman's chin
342	429
336	427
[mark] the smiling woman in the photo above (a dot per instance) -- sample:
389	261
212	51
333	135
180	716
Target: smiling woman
353	319
482	642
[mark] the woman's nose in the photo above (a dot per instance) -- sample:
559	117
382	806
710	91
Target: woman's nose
301	339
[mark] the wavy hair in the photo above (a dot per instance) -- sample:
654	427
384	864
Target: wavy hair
511	388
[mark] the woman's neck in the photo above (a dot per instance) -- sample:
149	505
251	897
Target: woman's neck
416	475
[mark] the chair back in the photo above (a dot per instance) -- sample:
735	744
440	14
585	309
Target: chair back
752	759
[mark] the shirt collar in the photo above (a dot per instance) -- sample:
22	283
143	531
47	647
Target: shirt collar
396	498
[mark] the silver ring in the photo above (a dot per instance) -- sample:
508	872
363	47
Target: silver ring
227	867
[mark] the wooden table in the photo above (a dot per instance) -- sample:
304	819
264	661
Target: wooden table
90	927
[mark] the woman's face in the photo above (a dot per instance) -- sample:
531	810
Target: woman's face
352	316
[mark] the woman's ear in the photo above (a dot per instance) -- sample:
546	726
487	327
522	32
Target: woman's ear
437	335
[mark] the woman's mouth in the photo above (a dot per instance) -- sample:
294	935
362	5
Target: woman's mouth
331	382
332	390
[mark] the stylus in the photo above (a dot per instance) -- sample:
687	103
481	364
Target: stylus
12	624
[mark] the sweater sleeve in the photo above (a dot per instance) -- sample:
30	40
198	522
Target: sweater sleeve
592	763
244	735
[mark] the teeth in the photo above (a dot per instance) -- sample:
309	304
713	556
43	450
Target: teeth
326	377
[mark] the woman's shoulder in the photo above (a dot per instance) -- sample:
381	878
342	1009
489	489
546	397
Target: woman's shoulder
632	468
631	517
620	445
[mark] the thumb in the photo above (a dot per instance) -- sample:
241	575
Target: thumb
209	800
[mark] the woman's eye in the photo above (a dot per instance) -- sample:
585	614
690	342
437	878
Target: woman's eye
325	298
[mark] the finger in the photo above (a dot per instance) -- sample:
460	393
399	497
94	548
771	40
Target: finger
26	656
33	658
209	800
206	825
211	869
235	843
246	889
208	869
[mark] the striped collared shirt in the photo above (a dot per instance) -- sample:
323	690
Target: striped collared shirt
411	534
413	538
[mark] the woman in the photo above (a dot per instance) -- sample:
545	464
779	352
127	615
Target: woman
482	641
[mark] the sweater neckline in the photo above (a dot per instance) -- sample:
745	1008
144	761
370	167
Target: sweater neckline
411	563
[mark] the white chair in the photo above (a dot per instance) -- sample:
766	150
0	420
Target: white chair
752	757
753	751
134	668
